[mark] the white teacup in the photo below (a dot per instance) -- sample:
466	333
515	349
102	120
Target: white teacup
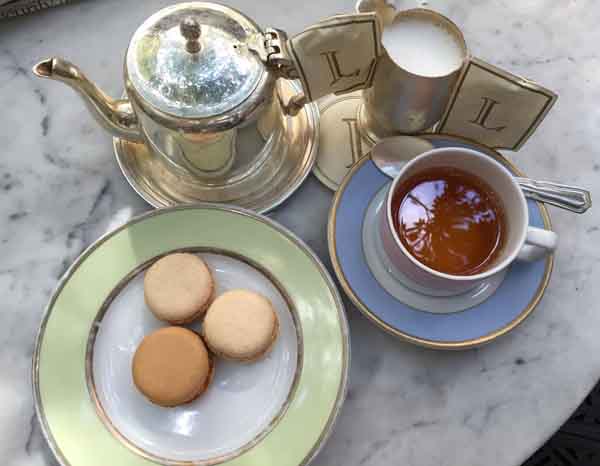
523	242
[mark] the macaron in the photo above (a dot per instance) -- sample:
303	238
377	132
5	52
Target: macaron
240	325
178	288
171	366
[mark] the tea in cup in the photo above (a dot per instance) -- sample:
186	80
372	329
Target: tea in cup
455	217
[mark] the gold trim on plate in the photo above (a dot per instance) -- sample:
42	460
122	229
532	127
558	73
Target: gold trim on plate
434	344
343	386
89	360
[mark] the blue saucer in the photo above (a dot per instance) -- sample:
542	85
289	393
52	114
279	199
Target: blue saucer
512	302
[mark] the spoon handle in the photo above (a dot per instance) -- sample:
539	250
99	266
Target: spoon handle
560	195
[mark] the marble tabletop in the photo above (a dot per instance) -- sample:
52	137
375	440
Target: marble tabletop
60	188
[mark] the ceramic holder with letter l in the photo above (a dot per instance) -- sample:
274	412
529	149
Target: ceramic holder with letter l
425	74
206	117
454	94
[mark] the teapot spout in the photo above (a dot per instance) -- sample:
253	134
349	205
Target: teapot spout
44	69
117	116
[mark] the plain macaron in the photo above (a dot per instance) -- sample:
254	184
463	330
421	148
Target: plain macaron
178	288
172	366
240	325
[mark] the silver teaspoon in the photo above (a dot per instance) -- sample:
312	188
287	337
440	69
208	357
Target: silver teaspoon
390	155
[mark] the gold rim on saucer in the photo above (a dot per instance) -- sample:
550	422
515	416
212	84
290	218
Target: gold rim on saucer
435	344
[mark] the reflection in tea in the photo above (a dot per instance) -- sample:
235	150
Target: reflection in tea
449	220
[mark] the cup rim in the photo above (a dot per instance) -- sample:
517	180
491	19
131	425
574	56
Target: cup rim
458	278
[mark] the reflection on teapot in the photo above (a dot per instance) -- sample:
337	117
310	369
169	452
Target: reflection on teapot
195	73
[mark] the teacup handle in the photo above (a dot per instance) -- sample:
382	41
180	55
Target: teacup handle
538	244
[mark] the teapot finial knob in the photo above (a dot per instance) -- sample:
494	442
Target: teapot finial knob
190	29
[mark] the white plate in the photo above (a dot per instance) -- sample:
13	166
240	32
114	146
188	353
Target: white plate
240	404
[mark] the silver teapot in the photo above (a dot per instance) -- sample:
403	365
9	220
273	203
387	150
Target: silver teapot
197	73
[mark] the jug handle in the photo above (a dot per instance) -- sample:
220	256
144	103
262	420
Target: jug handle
293	106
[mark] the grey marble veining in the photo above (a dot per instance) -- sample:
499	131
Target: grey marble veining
60	189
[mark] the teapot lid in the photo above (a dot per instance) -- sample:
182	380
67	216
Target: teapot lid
193	60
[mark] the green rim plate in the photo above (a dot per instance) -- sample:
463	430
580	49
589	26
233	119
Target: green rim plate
67	413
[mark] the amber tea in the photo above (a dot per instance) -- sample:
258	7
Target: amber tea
449	220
